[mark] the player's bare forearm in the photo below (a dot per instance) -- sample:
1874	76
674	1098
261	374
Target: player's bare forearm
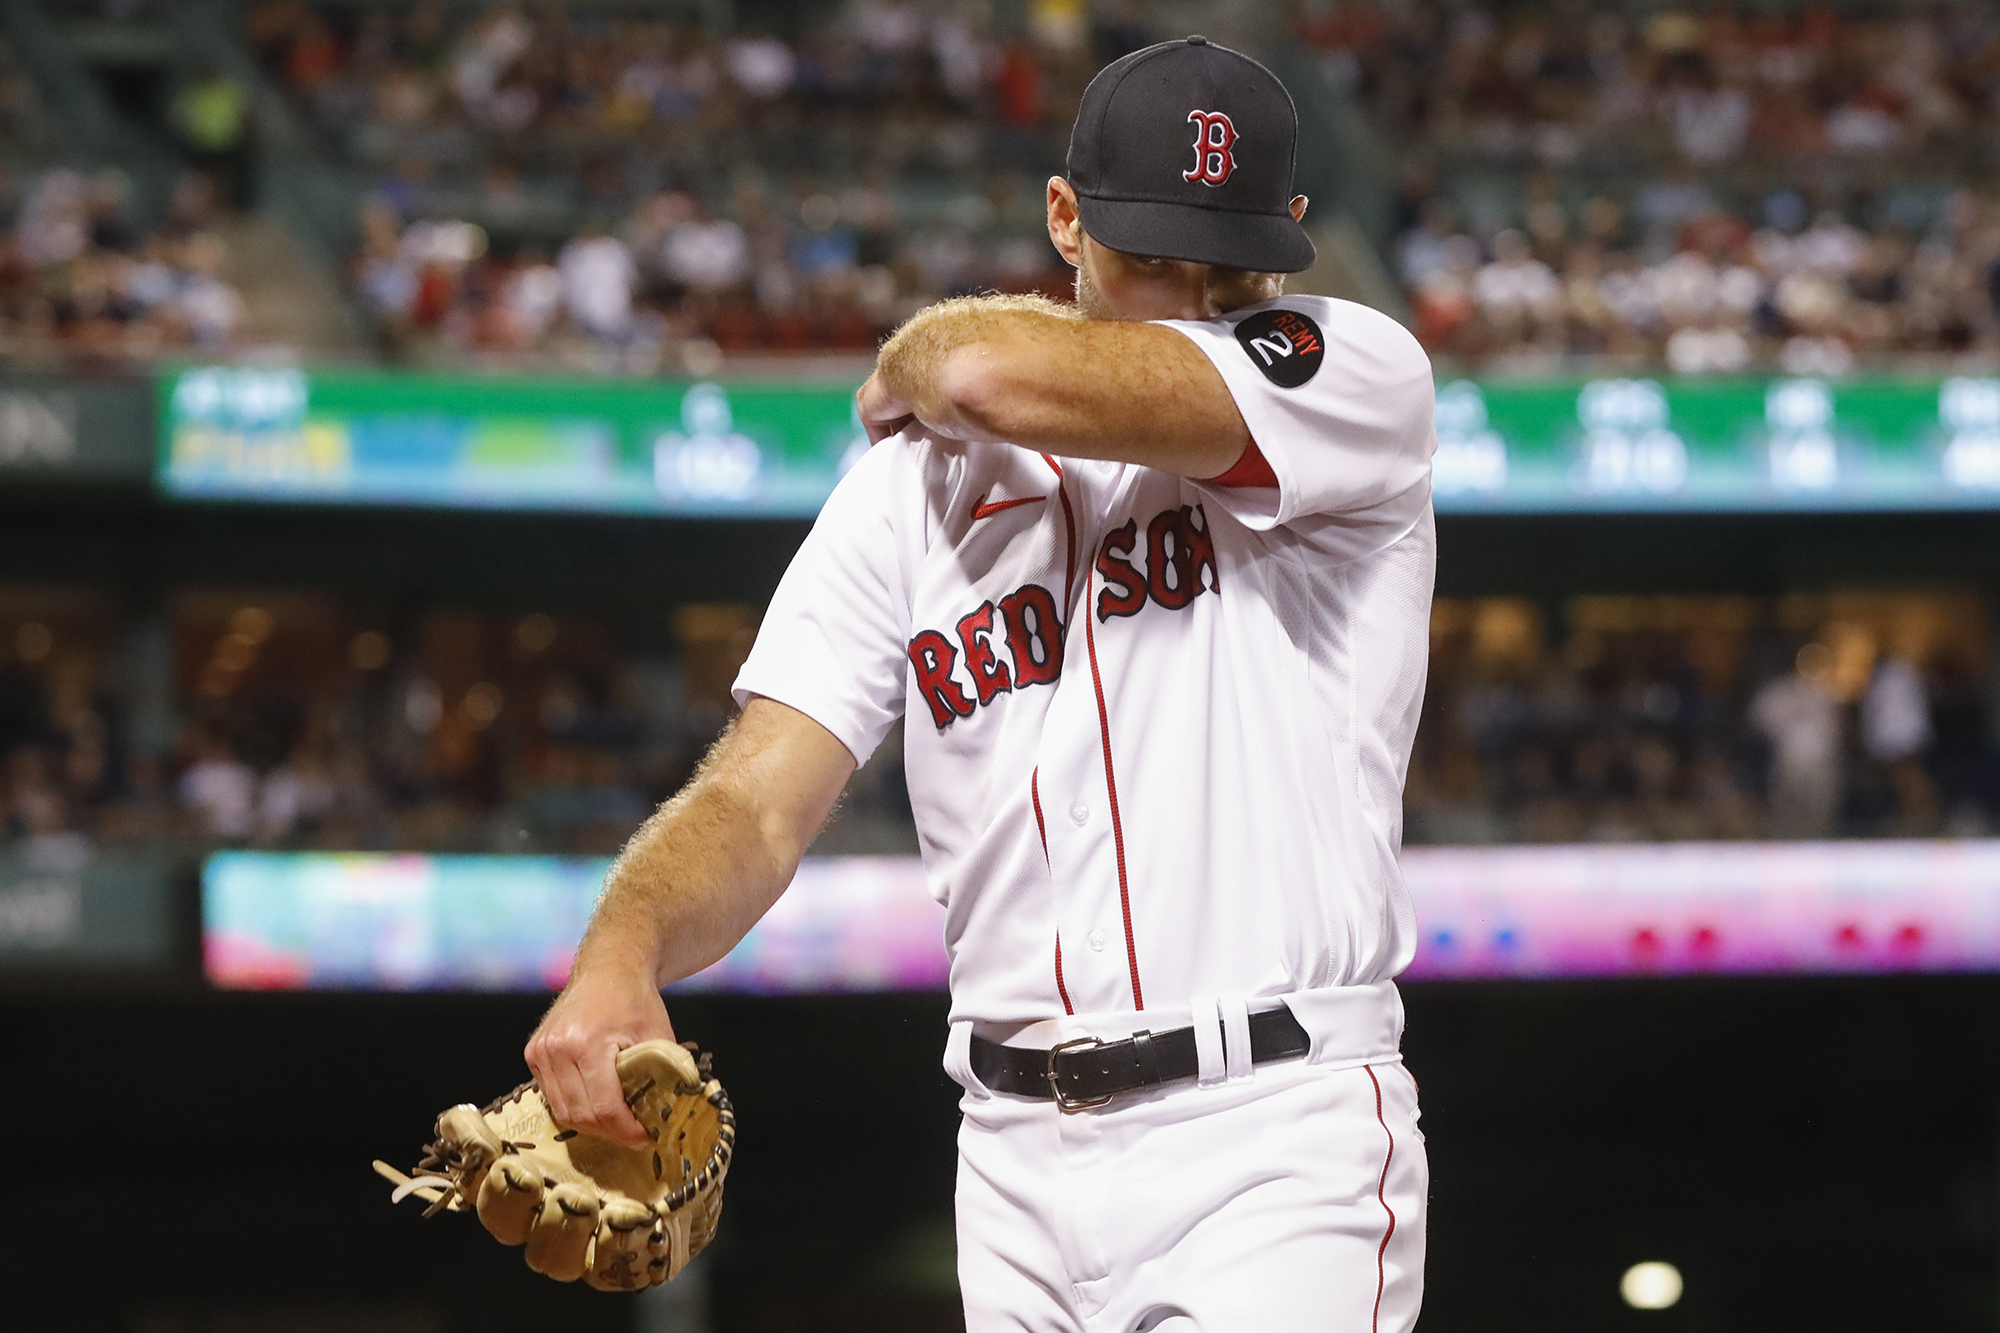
1027	371
710	862
687	887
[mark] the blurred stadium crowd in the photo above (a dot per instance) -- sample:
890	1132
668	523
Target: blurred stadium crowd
296	721
1669	718
552	174
81	282
1571	183
86	277
1805	189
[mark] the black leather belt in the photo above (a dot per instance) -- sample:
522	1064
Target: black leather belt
1088	1072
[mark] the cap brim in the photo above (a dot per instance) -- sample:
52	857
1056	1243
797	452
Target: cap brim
1260	242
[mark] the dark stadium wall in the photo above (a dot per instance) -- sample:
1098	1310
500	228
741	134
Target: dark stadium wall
1811	1154
632	570
1548	556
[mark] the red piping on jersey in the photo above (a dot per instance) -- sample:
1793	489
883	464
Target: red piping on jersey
1035	796
1069	558
1034	781
1382	1193
1035	799
1111	790
1061	989
1069	552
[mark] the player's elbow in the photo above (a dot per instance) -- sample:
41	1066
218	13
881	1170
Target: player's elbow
784	839
985	394
766	837
761	835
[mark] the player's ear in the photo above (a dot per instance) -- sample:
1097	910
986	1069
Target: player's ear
1299	203
1065	222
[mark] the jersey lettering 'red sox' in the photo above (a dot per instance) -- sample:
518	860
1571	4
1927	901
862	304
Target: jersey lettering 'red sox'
1179	556
1157	728
1031	632
1019	641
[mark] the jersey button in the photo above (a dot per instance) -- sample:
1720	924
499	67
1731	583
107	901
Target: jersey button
1097	940
1079	814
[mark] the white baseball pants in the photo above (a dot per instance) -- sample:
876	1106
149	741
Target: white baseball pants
1288	1200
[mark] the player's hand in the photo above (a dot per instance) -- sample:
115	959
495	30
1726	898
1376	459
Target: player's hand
573	1053
882	413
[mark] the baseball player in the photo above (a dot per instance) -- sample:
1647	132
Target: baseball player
1150	579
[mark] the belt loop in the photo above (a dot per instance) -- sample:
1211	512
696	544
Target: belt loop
1146	1058
1207	1040
958	1059
1235	1035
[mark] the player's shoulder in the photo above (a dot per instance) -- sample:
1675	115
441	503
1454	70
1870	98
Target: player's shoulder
1315	345
1335	323
902	456
1351	319
904	475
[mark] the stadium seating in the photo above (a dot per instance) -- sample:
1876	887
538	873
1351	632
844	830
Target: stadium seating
579	180
298	721
1795	189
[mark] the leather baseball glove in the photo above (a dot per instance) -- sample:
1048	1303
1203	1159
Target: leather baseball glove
620	1218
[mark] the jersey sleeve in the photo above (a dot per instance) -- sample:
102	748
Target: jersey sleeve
1338	398
832	641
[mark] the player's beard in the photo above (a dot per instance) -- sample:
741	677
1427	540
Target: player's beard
1089	301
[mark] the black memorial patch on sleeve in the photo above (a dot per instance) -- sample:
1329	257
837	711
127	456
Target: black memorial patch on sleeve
1284	344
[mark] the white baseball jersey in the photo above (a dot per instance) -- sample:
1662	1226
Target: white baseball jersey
1157	728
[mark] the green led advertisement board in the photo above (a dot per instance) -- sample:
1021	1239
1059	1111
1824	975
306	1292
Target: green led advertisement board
619	446
1786	444
1604	445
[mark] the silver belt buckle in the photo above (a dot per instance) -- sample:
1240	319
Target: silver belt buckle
1063	1100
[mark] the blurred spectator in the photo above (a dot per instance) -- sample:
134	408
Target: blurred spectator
54	227
530	299
598	279
1896	730
762	66
1516	292
220	790
211	114
706	253
1895	713
1801	719
1710	122
210	309
296	797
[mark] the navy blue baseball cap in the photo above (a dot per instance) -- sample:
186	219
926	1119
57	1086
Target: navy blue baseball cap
1186	150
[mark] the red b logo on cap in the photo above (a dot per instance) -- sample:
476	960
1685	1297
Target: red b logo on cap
1214	148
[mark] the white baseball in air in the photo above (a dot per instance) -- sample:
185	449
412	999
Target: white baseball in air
1650	1286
